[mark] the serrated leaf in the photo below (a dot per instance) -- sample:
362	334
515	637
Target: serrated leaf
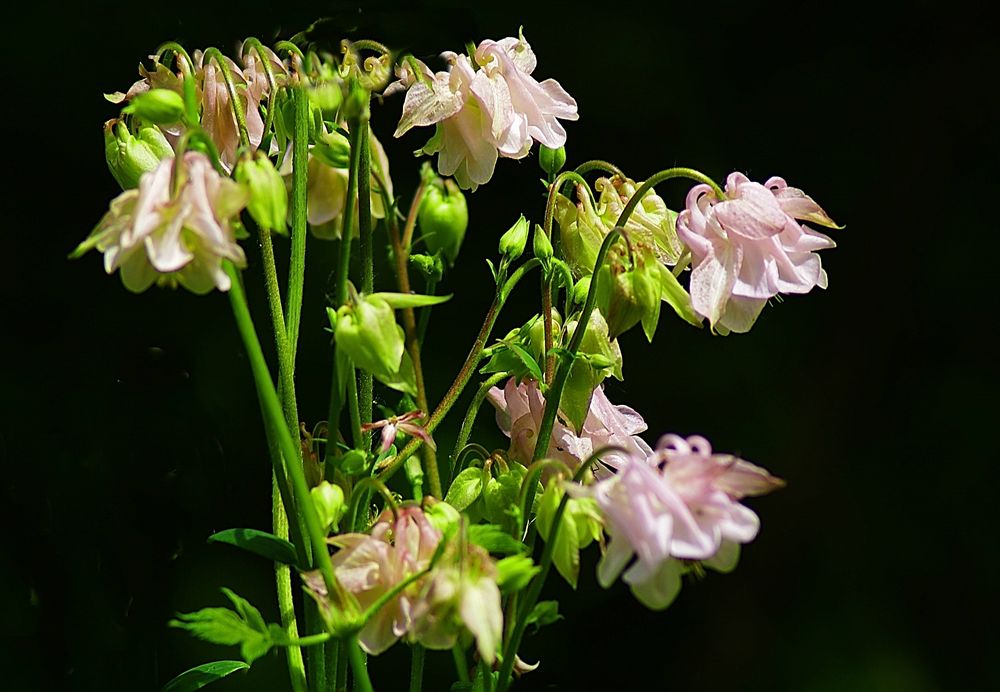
205	674
515	572
398	301
544	613
244	627
465	489
259	543
494	539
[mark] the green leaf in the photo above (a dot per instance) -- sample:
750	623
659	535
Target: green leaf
399	301
259	543
515	572
466	488
494	539
528	360
502	495
205	674
566	550
244	627
405	380
544	613
674	294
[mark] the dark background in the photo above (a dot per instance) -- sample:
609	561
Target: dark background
130	430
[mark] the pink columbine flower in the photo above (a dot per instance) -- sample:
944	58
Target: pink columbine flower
679	503
155	235
519	414
481	113
394	424
750	247
217	117
370	565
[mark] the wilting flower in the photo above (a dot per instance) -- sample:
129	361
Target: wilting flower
392	425
480	114
368	566
651	222
749	247
154	234
519	415
679	503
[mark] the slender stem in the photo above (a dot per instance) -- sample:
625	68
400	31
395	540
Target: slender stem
554	394
316	659
550	356
354	409
272	82
470	416
342	657
660	177
461	664
401	254
286	598
331	652
365	395
297	262
362	682
425	313
312	640
484	670
411	217
598	165
417	655
272	409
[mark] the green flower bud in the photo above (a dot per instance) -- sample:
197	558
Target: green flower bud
333	149
551	160
356	104
129	156
584	377
442	516
541	244
443	218
328	499
268	195
627	296
157	106
581	289
326	91
429	265
513	241
536	333
581	232
368	333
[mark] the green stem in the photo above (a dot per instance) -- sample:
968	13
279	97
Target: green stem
461	664
331	652
227	76
425	313
312	640
598	165
365	394
660	177
470	415
286	599
300	182
317	662
272	82
362	682
272	410
417	667
554	394
484	670
342	657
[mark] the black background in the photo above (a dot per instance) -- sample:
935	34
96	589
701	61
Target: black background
130	430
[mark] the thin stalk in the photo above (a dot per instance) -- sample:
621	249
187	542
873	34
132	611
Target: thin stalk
598	165
425	313
660	177
315	658
470	415
297	262
417	656
487	673
341	677
362	683
272	410
365	394
461	664
331	652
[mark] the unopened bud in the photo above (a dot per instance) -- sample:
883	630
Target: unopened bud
541	244
129	156
552	160
157	106
328	499
368	333
268	195
333	149
429	265
513	241
443	218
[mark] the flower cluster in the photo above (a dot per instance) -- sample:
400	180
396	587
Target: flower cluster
486	105
176	228
680	503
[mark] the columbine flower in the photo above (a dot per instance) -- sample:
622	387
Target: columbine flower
484	113
651	221
154	235
217	117
370	565
519	415
680	503
749	247
395	424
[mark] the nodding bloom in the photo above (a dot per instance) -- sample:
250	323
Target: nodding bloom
679	503
520	407
155	234
495	108
369	565
749	247
394	424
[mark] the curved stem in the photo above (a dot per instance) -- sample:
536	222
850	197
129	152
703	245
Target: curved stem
289	47
272	82
598	165
660	177
470	416
176	49
234	100
528	485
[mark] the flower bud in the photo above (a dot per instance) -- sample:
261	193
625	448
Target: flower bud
513	241
541	244
551	160
627	296
129	156
442	516
443	218
157	106
536	333
429	265
328	499
268	195
333	149
326	91
584	377
581	231
368	333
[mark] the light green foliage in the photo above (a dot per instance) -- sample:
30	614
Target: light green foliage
157	106
205	674
443	218
243	627
580	525
259	543
466	488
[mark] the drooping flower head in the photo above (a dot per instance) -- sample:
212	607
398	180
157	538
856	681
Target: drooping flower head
750	247
483	111
679	503
157	234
